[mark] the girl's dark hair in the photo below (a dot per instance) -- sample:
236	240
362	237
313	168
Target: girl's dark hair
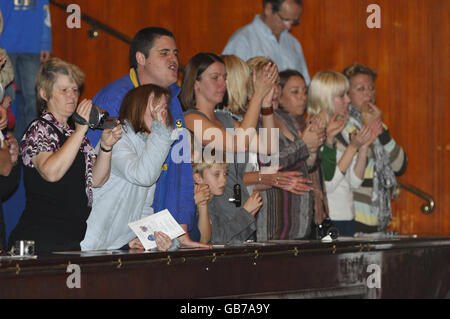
286	74
135	104
192	72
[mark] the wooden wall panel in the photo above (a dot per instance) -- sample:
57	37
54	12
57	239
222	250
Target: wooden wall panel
410	52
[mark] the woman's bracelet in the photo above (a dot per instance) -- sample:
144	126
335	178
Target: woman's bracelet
104	149
267	110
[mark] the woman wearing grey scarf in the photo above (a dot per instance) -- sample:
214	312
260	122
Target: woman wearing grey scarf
386	158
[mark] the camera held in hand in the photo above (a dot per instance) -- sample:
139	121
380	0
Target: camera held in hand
236	199
326	228
98	119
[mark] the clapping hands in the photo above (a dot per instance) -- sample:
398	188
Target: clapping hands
371	116
360	138
315	133
291	181
202	194
366	135
335	126
253	203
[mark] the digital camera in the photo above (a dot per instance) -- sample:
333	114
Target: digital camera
98	119
326	228
236	199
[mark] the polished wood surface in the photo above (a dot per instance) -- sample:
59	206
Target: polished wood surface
410	52
390	268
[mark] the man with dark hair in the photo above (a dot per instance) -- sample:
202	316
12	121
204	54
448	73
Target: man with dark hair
144	40
154	60
268	35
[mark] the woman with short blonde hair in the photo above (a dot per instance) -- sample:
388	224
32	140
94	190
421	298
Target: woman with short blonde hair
59	163
326	85
48	76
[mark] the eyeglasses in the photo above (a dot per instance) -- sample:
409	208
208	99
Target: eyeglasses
291	21
362	89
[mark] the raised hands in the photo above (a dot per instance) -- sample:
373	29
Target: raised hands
335	126
202	194
83	110
159	110
358	139
371	118
369	113
376	128
314	135
111	136
264	82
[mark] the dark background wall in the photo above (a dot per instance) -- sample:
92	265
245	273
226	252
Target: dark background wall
410	52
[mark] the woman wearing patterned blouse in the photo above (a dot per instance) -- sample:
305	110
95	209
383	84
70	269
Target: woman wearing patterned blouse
60	166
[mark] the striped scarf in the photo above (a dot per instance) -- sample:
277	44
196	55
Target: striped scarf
384	180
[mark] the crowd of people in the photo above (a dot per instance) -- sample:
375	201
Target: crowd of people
287	152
